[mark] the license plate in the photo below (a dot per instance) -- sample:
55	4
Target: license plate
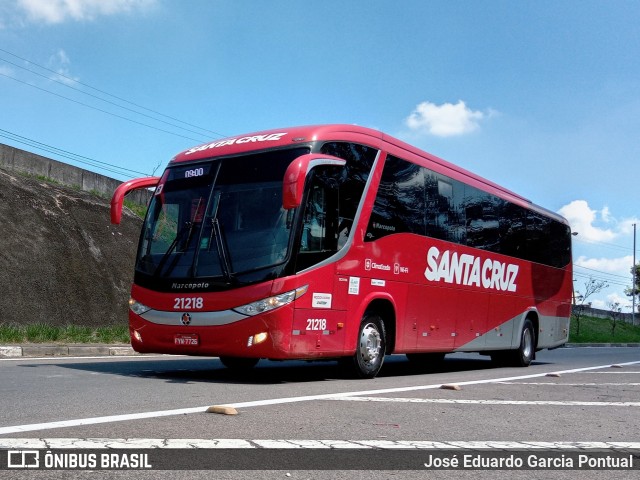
186	339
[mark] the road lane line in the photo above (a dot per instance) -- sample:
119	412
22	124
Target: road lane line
278	401
557	403
95	420
275	401
612	373
573	384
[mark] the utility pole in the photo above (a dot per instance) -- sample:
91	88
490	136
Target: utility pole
633	286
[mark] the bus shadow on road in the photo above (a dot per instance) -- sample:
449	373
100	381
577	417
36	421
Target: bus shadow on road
210	370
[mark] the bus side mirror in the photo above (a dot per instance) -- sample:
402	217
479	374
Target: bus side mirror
123	189
296	174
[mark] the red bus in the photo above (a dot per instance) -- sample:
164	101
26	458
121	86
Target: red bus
341	242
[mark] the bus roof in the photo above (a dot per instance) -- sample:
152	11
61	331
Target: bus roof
283	137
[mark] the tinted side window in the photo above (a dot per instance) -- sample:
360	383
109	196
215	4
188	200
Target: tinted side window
548	241
332	199
513	231
560	245
400	203
444	212
360	160
413	199
482	214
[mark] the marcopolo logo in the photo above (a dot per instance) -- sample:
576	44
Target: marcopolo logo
470	270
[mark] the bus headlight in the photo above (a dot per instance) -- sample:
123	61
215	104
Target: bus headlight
137	307
271	303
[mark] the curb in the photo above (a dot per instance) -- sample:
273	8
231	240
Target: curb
603	345
49	350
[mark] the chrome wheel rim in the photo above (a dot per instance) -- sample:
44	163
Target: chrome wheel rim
370	344
527	343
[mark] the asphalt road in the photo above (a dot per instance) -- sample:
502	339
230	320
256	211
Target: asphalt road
570	396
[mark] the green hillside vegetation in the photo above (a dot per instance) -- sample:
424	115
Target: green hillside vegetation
601	330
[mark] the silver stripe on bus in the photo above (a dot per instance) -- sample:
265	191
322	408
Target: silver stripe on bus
198	319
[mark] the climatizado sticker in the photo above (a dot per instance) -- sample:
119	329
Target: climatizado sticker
470	270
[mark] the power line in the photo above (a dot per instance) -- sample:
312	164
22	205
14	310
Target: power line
71	156
599	271
610	281
606	244
101	99
104	166
607	281
75	81
99	109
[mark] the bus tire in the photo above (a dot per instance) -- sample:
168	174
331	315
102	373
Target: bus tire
239	363
371	347
525	353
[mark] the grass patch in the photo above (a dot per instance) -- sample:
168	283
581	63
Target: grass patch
118	334
46	179
599	330
11	334
42	333
139	210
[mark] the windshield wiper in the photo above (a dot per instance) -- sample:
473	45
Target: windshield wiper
187	228
223	249
221	244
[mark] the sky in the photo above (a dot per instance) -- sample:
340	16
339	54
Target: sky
542	97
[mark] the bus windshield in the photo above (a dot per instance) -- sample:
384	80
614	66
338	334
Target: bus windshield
218	218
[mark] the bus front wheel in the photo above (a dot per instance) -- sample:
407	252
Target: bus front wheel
371	347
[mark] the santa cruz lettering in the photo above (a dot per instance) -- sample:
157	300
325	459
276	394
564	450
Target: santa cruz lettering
470	270
272	137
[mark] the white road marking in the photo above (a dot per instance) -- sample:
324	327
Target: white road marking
611	373
96	420
573	384
274	401
169	443
567	403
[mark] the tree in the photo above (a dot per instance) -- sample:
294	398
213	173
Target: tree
591	286
616	315
630	292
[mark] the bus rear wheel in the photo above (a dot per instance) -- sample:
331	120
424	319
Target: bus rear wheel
524	354
371	348
239	363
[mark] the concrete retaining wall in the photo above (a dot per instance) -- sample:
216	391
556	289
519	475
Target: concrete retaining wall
30	163
598	313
